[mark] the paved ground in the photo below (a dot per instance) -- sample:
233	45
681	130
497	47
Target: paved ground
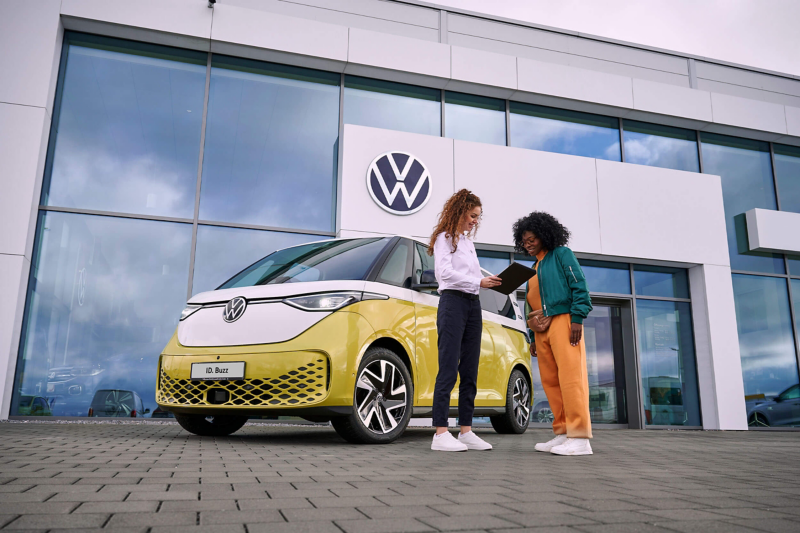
157	478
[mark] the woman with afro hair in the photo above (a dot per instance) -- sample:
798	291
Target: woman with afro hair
557	302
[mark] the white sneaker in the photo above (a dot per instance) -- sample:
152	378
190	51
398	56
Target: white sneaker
552	443
473	441
573	447
446	442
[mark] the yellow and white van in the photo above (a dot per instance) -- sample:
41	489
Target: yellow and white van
341	330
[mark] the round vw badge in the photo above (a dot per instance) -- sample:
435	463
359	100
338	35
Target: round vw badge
399	183
234	309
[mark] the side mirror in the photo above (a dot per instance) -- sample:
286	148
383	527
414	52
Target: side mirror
146	410
427	281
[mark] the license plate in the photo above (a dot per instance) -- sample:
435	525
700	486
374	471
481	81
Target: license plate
218	370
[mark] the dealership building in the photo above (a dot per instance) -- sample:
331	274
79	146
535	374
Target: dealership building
151	149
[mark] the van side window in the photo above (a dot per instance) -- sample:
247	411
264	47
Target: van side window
394	272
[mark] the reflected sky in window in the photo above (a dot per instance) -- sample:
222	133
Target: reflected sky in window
128	135
566	132
667	363
271	145
787	173
475	118
663	282
660	146
494	262
106	298
611	278
747	183
224	252
392	106
766	341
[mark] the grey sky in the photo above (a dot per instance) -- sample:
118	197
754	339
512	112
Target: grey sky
760	33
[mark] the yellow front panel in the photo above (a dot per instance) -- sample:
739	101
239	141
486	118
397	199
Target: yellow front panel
291	379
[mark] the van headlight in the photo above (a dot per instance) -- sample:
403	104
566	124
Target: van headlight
189	310
330	301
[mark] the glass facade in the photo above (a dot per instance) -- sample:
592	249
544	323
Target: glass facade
475	118
787	174
566	132
660	146
392	106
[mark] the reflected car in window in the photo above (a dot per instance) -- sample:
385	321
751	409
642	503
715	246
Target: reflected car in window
117	403
33	406
342	331
782	410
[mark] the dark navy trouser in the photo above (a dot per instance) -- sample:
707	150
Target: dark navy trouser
459	325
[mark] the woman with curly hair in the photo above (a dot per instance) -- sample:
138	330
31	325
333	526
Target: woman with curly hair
557	302
458	319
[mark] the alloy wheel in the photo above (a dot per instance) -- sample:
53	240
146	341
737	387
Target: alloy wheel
758	420
380	396
545	416
522	401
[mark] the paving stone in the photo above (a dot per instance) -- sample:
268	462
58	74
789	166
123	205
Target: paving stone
280	503
684	514
773	525
40	508
88	497
48	521
153	519
461	523
399	512
115	507
479	508
546	520
707	526
227	528
622	528
308	515
358	501
188	505
295	527
162	496
383	525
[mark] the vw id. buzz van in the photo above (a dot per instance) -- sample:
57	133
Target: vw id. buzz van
341	330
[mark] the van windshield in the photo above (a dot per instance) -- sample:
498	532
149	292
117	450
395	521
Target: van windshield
348	259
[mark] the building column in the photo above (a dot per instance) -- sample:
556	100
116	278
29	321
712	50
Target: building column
719	366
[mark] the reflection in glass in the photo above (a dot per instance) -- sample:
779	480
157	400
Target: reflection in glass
494	262
105	299
128	133
794	264
271	145
392	106
475	118
222	252
660	146
602	331
566	132
346	259
787	173
661	281
766	345
746	173
605	277
667	363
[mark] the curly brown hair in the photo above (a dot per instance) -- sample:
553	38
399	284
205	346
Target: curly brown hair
450	218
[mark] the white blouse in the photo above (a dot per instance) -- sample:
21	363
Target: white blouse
460	270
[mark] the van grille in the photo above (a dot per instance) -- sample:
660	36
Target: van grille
303	385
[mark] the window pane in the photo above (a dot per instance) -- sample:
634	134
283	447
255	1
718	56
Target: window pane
606	277
494	262
787	172
396	267
105	299
794	264
660	146
746	173
524	260
271	145
766	345
666	355
347	259
566	132
661	281
475	118
222	252
129	126
392	106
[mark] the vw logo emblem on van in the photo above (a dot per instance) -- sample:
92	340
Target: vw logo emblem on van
399	183
234	309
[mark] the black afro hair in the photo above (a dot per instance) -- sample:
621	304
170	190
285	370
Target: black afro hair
543	225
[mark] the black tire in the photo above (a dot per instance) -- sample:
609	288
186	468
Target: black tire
211	426
385	411
758	420
518	406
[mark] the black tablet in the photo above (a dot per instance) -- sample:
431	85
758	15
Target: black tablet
513	277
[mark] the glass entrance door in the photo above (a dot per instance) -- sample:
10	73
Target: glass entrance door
605	363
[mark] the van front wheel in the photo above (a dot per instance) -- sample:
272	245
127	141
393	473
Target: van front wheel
518	406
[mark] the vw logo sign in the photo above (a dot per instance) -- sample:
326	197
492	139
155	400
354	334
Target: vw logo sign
399	183
234	309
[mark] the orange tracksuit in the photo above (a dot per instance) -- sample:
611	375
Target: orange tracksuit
562	368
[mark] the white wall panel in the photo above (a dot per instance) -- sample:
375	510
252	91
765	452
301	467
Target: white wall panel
512	182
14	271
574	83
31	43
719	366
181	17
23	143
773	231
647	212
498	72
667	99
359	211
793	120
269	36
412	59
746	113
